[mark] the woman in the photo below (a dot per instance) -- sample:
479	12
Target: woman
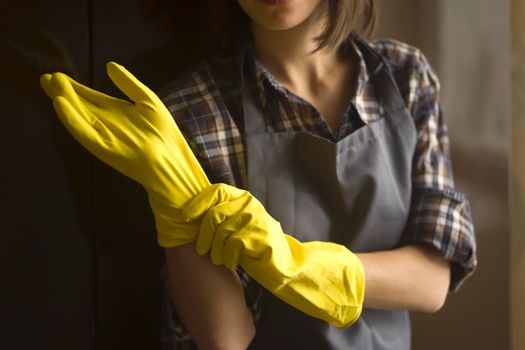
343	144
327	93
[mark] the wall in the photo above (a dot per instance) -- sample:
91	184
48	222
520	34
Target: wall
518	176
468	43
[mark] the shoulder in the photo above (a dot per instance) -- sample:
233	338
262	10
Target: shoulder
204	101
209	81
408	63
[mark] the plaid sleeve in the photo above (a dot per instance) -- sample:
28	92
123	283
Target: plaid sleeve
439	216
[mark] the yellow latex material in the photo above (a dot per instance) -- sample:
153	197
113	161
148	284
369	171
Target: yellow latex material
322	279
140	139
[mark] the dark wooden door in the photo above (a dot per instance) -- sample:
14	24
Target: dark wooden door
79	262
47	275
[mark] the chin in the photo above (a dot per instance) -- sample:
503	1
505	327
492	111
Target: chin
280	14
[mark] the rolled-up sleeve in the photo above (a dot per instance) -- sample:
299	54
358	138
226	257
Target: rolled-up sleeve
442	218
440	215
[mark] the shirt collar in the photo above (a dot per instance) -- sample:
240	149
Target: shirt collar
362	75
363	94
365	100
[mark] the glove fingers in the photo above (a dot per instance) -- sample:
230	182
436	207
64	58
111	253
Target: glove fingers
213	218
79	128
232	252
208	198
101	121
217	248
45	83
96	97
129	85
61	86
206	233
228	241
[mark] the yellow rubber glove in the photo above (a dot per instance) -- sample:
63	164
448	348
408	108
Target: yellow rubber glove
322	279
140	139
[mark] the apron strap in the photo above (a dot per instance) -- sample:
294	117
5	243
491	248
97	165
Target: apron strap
254	122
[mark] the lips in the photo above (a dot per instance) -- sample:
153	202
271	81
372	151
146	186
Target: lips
276	2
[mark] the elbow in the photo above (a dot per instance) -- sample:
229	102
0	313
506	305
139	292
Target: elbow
436	286
435	302
436	295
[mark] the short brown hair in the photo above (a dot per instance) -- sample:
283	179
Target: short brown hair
346	19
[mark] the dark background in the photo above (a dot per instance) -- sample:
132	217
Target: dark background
79	262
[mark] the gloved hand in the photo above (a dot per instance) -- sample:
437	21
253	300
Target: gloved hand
322	279
139	139
142	141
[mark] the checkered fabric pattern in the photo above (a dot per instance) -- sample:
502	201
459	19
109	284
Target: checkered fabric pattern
206	104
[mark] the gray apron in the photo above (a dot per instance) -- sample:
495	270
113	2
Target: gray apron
354	192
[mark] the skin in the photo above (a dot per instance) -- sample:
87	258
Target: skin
283	42
211	304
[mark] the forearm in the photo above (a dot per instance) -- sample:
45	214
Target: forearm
209	299
411	277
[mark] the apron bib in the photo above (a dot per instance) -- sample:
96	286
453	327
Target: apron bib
355	192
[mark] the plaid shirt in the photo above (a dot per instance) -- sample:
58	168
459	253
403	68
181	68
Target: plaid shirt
207	106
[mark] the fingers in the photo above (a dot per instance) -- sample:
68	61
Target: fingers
129	85
58	84
74	112
208	237
77	125
217	248
45	83
208	198
208	229
232	252
49	83
96	97
221	223
227	242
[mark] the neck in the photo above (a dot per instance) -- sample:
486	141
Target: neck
287	54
